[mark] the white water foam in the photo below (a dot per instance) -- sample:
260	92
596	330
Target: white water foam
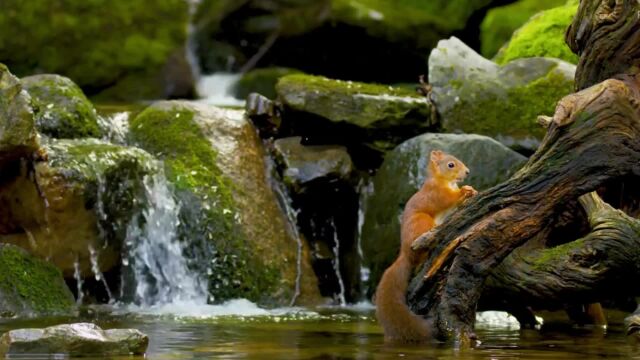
155	257
216	89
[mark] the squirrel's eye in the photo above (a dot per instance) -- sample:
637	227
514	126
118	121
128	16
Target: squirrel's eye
451	165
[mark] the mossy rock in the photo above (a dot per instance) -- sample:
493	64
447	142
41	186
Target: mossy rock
82	197
422	21
30	286
475	95
229	215
261	81
402	174
367	106
18	136
500	22
61	108
542	35
99	44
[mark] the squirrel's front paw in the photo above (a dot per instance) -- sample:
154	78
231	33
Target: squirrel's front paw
468	191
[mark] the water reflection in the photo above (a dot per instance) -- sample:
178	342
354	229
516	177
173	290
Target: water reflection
333	334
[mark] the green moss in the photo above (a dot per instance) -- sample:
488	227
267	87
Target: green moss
500	23
261	81
208	212
320	83
61	108
423	21
368	106
515	113
550	257
34	283
543	35
95	42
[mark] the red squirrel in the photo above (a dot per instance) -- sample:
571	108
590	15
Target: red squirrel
424	210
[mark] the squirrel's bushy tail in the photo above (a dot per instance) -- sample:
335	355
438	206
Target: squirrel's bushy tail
397	320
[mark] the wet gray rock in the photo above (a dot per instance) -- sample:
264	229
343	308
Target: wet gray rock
303	164
475	95
75	340
402	174
18	135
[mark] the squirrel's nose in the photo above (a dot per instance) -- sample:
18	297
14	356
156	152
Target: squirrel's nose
466	171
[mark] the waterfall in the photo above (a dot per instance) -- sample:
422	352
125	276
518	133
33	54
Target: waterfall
78	277
95	267
336	266
286	204
154	266
216	89
365	188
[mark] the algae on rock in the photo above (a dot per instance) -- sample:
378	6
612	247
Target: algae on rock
475	95
542	35
61	108
229	214
30	286
402	174
500	22
359	104
78	201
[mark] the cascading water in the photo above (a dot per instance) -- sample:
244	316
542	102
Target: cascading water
365	188
216	89
78	277
95	267
336	266
155	266
286	204
115	127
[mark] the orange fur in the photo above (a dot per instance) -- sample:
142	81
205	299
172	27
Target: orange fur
438	194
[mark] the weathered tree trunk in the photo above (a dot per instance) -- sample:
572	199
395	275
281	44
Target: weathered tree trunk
602	264
593	137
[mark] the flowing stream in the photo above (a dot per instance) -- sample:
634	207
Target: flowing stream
156	267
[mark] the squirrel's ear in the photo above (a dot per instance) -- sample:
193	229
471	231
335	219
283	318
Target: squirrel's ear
436	155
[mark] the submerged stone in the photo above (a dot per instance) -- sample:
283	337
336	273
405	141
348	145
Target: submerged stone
402	174
30	286
74	207
61	108
303	164
542	35
75	340
475	95
230	216
18	135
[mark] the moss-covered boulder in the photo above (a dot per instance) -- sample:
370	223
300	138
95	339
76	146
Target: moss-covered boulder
423	21
230	215
303	164
402	174
500	22
542	35
262	81
77	202
133	48
30	286
61	108
363	105
475	95
18	135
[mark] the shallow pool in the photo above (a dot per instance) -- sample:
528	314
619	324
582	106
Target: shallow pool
204	332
